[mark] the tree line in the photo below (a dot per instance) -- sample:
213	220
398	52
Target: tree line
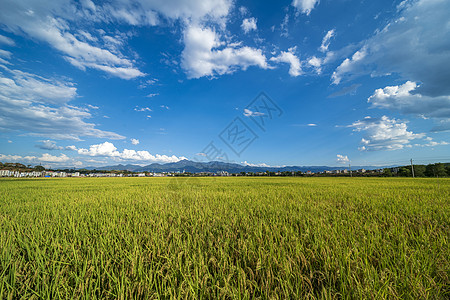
430	170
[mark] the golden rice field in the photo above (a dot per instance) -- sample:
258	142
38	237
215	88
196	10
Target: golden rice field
225	238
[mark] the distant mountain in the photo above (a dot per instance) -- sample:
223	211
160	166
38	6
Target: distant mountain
216	166
119	167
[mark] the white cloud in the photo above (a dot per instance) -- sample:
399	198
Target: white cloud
316	63
140	11
34	159
311	125
108	149
206	55
305	6
6	40
347	65
50	22
53	159
249	113
49	145
431	143
384	134
289	58
249	25
39	106
5	54
405	99
326	41
414	45
135	141
142	109
12	158
343	159
243	10
263	165
152	95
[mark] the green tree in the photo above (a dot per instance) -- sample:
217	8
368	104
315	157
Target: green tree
39	168
405	172
387	172
435	170
419	170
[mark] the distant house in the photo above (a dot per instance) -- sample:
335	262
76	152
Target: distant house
223	173
5	173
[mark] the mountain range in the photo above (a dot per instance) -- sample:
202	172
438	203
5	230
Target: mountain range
217	166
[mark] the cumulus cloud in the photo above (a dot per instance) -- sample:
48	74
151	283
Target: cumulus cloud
48	158
51	22
384	134
40	106
343	159
88	47
290	58
52	158
206	55
415	45
316	63
108	149
249	25
135	141
405	99
305	6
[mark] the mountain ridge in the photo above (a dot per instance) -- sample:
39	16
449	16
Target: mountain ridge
217	166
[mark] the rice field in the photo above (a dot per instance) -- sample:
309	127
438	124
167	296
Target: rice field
225	238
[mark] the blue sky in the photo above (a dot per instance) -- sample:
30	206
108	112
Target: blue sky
92	83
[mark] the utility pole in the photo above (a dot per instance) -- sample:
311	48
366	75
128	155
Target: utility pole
412	168
350	169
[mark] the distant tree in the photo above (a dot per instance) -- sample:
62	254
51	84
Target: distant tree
435	170
448	170
404	172
387	172
39	168
419	170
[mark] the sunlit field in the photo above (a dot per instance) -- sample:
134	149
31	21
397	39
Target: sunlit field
225	238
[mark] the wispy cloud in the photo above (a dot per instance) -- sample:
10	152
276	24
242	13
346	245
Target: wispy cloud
42	106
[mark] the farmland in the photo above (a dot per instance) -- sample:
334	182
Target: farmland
232	238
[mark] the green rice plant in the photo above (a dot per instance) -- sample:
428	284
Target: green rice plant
225	238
